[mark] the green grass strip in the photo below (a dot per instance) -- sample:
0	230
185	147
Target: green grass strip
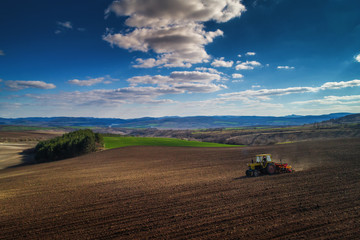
116	142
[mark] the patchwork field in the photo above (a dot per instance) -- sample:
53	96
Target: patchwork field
186	193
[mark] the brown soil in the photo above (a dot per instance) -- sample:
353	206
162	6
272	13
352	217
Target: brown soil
28	136
186	193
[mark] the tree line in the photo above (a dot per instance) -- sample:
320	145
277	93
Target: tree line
68	145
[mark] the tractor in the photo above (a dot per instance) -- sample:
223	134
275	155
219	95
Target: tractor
264	165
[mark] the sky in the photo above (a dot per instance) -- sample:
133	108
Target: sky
154	58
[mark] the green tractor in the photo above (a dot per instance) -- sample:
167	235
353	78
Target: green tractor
264	165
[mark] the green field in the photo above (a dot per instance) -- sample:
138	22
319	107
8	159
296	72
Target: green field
116	142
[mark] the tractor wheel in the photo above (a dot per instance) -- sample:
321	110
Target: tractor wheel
248	173
256	173
270	169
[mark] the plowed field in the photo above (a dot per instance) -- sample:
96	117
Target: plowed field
186	193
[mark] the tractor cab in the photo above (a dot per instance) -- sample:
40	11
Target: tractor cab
263	158
261	161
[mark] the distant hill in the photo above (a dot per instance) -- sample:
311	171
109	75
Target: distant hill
349	119
174	122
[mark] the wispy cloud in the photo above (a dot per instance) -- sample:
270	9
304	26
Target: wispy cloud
139	91
66	26
250	54
222	63
191	81
173	29
118	96
92	81
285	67
265	94
248	65
329	100
2	53
210	70
237	75
19	85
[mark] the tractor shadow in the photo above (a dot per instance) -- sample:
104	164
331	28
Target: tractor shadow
240	178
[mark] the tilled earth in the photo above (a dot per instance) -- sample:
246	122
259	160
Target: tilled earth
186	193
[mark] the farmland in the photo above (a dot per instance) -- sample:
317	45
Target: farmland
116	142
141	192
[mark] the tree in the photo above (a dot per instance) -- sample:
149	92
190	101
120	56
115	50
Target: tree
68	145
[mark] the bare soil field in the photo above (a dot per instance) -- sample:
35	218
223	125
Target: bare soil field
186	193
28	136
13	153
13	143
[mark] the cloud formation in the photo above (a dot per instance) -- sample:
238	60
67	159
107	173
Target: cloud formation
330	100
91	81
357	58
66	24
190	81
285	67
109	96
237	75
19	85
265	94
222	63
250	54
172	29
248	65
143	89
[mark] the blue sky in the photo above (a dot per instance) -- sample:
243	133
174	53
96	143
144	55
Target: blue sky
137	58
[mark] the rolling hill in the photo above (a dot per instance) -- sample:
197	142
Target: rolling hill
194	122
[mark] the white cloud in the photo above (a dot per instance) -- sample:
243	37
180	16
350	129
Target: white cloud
19	85
199	87
237	75
66	24
265	94
239	55
173	29
194	76
178	46
250	54
191	81
285	67
2	53
339	85
222	63
91	81
330	100
147	79
108	96
248	65
357	58
210	70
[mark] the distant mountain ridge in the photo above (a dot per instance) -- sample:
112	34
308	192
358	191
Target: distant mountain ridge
173	122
